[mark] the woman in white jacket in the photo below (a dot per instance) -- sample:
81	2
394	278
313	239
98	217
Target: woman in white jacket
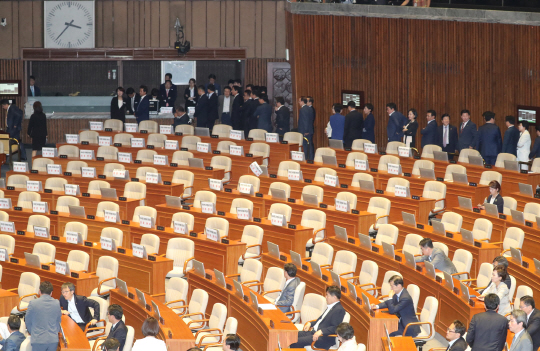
524	143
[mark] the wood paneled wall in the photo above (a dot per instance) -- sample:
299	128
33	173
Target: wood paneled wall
10	69
256	71
258	26
440	65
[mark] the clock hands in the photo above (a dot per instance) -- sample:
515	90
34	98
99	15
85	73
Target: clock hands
70	24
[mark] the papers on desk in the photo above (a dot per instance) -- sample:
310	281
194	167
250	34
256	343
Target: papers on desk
267	306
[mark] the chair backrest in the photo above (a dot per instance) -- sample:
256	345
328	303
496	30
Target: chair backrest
190	142
284	167
106	205
355	156
198	303
293	138
110	167
414	291
368	275
151	243
150	126
465	153
224	146
531	211
222	130
312	308
462	261
77	227
218	316
107	267
313	190
387	233
141	172
252	270
107	152
115	124
535	168
453	169
522	290
90	136
184	217
392	147
242	203
260	149
28	284
488	176
69	150
17	180
176	289
218	223
483	277
7	242
357	177
385	285
257	134
184	177
452	221
298	300
322	254
250	179
422	164
78	260
412	244
130	335
114	233
26	197
55	183
45	251
63	203
427	151
4	216
381	207
385	160
185	129
135	190
158	140
40	164
358	144
392	182
282	209
323	151
315	219
345	261
180	250
75	166
123	138
428	314
503	156
146	155
281	186
204	196
252	235
274	280
94	187
38	221
513	238
321	172
441	246
510	204
348	196
144	211
435	190
181	157
482	229
222	162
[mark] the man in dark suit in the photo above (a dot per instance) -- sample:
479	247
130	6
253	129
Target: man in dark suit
142	112
305	127
511	136
78	307
14	123
263	113
488	139
454	335
236	112
467	131
167	97
172	92
33	89
133	101
201	109
285	299
354	125
217	86
429	133
326	324
526	304
225	103
283	117
487	330
118	329
181	117
535	152
14	341
401	304
396	121
447	134
248	107
213	106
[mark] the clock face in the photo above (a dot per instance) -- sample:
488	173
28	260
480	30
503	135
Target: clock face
69	24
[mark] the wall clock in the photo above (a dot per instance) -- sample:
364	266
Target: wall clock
69	24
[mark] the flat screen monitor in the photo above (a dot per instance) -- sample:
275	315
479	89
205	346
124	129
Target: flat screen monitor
527	113
10	87
353	95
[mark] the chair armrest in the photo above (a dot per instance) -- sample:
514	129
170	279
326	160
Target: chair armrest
497	243
438	349
198	321
232	275
317	349
377	220
420	323
257	284
442	209
368	284
375	288
212	345
249	283
327	266
507	250
14	289
323	239
93	273
158	295
270	291
21	299
97	343
383	296
468	280
249	247
342	274
101	283
479	240
88	328
209	335
460	273
186	263
292	312
480	288
186	188
175	301
398	250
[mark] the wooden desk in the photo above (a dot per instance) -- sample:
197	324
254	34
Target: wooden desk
486	253
8	300
174	331
404	343
525	276
75	337
155	193
90	203
259	335
522	200
20	218
286	238
421	208
368	330
12	274
354	223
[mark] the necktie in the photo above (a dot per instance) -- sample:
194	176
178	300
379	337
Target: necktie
462	126
445	135
33	94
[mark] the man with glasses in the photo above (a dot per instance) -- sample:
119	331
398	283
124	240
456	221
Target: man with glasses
454	334
526	304
78	306
518	325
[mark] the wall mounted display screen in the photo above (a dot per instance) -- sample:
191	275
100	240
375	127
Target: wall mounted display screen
528	113
352	95
10	87
182	71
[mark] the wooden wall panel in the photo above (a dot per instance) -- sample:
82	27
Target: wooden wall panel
120	24
149	29
108	27
256	71
199	26
441	65
37	24
99	24
247	27
25	22
164	8
6	33
213	24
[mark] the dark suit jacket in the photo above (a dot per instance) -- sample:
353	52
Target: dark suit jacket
143	109
14	122
13	342
164	99
248	108
412	128
369	128
487	331
489	140
83	307
283	120
37	91
533	328
119	113
511	138
329	324
535	152
499	201
467	137
201	110
236	112
213	106
305	120
217	86
119	333
263	113
353	129
129	110
187	95
404	309
452	138
184	119
459	345
394	129
429	134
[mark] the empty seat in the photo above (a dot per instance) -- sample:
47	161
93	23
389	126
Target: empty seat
94	187
181	157
77	227
385	160
412	244
368	276
46	252
26	197
113	233
510	204
381	207
78	260
351	198
355	156
388	233
141	172
196	310
183	217
257	134
252	236
250	274
176	294
392	182
224	146
221	130
123	138
488	176
7	242
190	142
241	203
322	172
450	169
63	203
144	211
513	238
221	224
284	167
294	138
68	150
17	180
357	177
315	219
204	196
313	190
55	183
107	152
282	209
260	149
151	243
531	211
392	147
187	178
27	290
115	124
465	153
422	164
38	221
90	136
503	156
150	126
135	190
157	140
281	186
109	168
250	179
182	252
222	162
40	164
323	151
106	205
435	190
427	151
185	129
482	229
146	155
107	272
345	263
358	144
462	260
452	221
75	166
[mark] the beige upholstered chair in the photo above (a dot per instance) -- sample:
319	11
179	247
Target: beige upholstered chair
281	186
40	164
77	227
284	167
465	153
260	149
321	172
294	138
157	140
221	224
221	130
257	134
115	124
109	168
381	207
55	183
63	203
355	156
282	209
450	169
348	196
182	252
504	157
151	243
357	177
150	126
315	219
427	151
224	146
187	178
141	172
181	158
75	166
190	142
385	160
250	179
17	180
95	186
90	136
146	155
38	221
107	272
106	205
144	211
45	251
323	151
123	138
204	196
222	162
452	221
27	290
358	144
185	129
241	203
69	150
392	147
78	260
107	152
488	176
252	235
113	233
436	190
26	197
422	164
183	217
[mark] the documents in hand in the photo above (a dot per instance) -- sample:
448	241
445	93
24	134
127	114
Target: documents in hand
267	306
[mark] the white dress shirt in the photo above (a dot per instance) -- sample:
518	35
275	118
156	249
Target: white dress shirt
328	308
120	103
149	343
72	308
349	345
226	104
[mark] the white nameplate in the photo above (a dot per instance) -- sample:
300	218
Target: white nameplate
111	216
131	127
171	144
394	168
41	232
215	184
88	172
272	137
236	134
124	157
360	165
404	151
72	237
97	126
8	227
146	221
72	189
3	255
293	174
370	148
330	180
342	205
138	250
104	140
236	150
203	147
212	234
153	178
5	203
33	185
40	207
106	243
54	169
161	160
72	138
119	173
86	154
137	142
255	168
400	191
60	267
243	213
207	207
180	227
245	188
20	167
166	129
277	219
297	156
49	152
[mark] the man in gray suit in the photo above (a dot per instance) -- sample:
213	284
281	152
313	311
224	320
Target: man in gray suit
225	103
285	300
15	339
518	323
436	256
43	319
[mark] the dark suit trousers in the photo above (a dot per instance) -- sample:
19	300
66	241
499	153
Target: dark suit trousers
226	118
309	150
490	160
305	338
210	123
